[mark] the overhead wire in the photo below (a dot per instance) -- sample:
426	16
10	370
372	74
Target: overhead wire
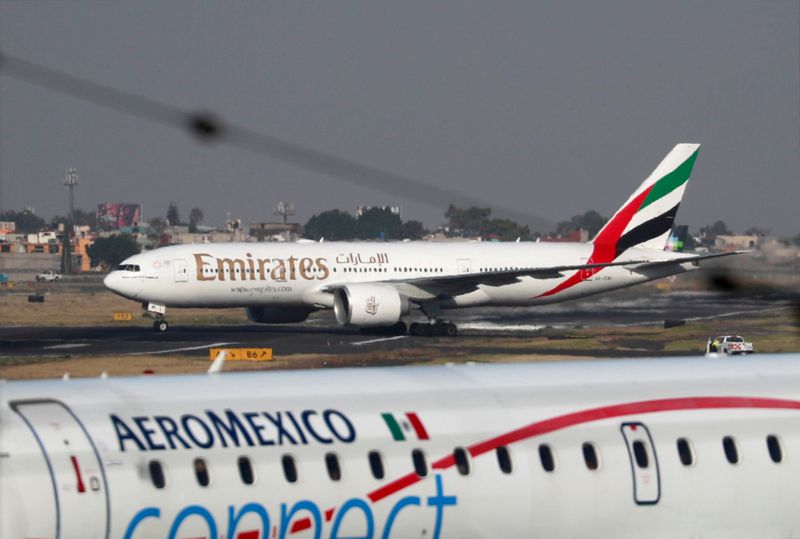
210	127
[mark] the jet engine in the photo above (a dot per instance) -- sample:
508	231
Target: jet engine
368	305
278	315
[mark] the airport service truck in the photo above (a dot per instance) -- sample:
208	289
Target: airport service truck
729	345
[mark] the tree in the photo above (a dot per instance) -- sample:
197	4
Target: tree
413	230
173	217
506	230
719	228
334	225
591	221
195	218
379	223
469	221
112	250
25	221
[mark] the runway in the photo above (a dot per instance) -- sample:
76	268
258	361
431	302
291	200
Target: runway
321	334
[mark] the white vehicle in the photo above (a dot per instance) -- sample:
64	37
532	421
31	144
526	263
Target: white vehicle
650	448
49	276
729	344
376	285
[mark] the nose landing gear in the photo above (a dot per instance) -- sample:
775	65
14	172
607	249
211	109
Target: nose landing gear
157	311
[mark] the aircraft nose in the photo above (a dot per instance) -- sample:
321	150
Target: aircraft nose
111	281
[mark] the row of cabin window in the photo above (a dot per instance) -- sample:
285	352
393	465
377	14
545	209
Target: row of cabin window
642	457
247	474
462	462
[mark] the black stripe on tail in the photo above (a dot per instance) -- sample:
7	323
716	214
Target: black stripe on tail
647	230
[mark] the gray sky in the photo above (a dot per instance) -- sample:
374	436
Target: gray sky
546	108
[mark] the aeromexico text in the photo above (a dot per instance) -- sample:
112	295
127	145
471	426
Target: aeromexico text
230	428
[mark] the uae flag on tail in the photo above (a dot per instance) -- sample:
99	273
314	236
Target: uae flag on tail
405	426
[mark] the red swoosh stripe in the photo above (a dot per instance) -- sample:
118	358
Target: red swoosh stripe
605	244
579	418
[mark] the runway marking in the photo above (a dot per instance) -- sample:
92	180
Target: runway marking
184	349
384	339
708	317
64	346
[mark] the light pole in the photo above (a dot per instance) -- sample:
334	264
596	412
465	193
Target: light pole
70	182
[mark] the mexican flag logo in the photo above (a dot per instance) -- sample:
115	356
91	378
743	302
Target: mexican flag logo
405	426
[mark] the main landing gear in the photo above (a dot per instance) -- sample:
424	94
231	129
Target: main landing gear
435	329
157	311
435	326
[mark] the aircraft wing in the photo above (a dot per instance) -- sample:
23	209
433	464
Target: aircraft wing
432	286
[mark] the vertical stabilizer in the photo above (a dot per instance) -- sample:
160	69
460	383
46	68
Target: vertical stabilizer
647	217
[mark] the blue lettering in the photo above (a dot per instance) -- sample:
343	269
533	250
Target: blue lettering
234	518
399	506
250	416
147	512
439	502
147	432
124	433
232	428
351	431
209	436
170	430
278	422
290	415
302	505
354	503
200	511
306	421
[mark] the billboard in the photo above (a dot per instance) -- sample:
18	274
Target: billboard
116	215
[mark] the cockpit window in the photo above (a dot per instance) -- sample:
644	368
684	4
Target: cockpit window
128	267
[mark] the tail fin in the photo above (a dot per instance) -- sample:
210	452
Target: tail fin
646	218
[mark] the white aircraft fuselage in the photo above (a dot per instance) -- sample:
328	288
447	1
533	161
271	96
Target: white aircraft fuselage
302	274
626	449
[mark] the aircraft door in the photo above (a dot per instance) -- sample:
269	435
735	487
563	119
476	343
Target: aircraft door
463	265
78	478
181	270
644	463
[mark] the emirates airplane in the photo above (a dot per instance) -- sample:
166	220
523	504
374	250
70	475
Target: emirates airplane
652	448
375	285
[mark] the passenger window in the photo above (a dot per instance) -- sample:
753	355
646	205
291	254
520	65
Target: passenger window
590	456
289	468
376	465
640	454
462	460
157	474
420	466
775	449
731	451
201	472
685	452
504	459
246	470
332	464
546	456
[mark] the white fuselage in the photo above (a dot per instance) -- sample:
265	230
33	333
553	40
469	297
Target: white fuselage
302	274
628	448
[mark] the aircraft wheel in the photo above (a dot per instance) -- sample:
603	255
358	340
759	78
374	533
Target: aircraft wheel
451	330
399	328
160	326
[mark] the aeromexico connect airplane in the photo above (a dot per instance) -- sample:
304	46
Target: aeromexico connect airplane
375	285
624	448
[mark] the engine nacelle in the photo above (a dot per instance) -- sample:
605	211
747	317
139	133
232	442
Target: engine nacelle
368	305
278	315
